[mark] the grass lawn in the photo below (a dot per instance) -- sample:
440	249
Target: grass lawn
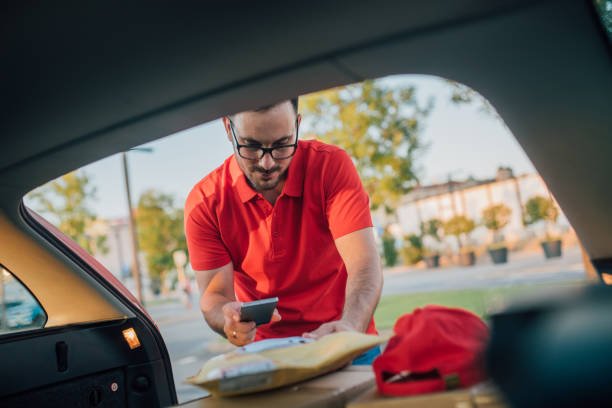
479	301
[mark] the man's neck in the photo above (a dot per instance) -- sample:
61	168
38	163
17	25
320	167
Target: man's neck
272	195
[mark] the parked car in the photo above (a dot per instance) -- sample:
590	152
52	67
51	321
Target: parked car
84	81
20	314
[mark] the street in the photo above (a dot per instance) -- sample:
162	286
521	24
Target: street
191	342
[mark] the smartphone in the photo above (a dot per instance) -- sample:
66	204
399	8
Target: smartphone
259	311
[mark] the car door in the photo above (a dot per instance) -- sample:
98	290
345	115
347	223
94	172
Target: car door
73	335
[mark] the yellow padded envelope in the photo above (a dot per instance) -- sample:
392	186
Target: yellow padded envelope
256	368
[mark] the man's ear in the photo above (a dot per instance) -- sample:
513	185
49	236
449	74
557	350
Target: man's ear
228	130
299	119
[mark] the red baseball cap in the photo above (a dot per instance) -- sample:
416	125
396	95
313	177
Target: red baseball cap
435	348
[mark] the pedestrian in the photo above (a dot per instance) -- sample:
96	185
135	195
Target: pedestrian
288	219
186	289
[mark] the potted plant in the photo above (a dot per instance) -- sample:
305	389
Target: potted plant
431	229
495	218
412	250
461	226
540	208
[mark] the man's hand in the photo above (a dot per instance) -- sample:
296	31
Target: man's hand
329	328
237	332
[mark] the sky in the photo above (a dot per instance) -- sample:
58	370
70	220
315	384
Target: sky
462	141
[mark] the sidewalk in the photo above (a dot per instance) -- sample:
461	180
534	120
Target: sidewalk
521	269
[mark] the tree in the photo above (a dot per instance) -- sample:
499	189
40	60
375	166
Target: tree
459	226
540	208
412	250
378	127
431	228
160	232
495	218
66	199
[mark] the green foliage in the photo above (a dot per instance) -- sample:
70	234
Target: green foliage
378	127
496	217
389	251
459	226
412	250
461	94
432	228
160	231
540	208
67	198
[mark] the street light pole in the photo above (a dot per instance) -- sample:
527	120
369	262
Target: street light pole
136	263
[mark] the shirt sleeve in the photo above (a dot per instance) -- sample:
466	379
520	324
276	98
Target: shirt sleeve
346	201
206	249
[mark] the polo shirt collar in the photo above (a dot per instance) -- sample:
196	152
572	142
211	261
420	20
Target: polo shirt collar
245	192
294	185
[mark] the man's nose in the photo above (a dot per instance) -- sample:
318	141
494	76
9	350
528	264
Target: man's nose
267	162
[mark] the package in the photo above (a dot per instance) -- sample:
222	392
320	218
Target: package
274	363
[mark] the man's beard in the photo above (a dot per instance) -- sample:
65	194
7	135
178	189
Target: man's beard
263	185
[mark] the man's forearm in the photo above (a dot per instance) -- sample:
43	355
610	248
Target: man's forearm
211	306
362	294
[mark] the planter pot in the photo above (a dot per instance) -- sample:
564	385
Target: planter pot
499	256
432	261
552	249
467	258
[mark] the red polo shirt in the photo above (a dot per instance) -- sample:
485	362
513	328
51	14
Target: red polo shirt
286	250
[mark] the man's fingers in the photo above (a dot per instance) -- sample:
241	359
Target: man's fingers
240	334
244	327
275	316
232	327
232	310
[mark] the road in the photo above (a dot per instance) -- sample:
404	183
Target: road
190	342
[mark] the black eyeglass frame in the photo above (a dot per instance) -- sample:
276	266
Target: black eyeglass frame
265	150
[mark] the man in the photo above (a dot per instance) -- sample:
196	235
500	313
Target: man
287	219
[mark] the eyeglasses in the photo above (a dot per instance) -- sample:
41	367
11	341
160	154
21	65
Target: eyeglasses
280	152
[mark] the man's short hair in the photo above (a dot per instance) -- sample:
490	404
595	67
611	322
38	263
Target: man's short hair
294	103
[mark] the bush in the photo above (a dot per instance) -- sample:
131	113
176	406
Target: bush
412	250
389	252
432	229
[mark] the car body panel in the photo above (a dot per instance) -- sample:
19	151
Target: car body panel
72	300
